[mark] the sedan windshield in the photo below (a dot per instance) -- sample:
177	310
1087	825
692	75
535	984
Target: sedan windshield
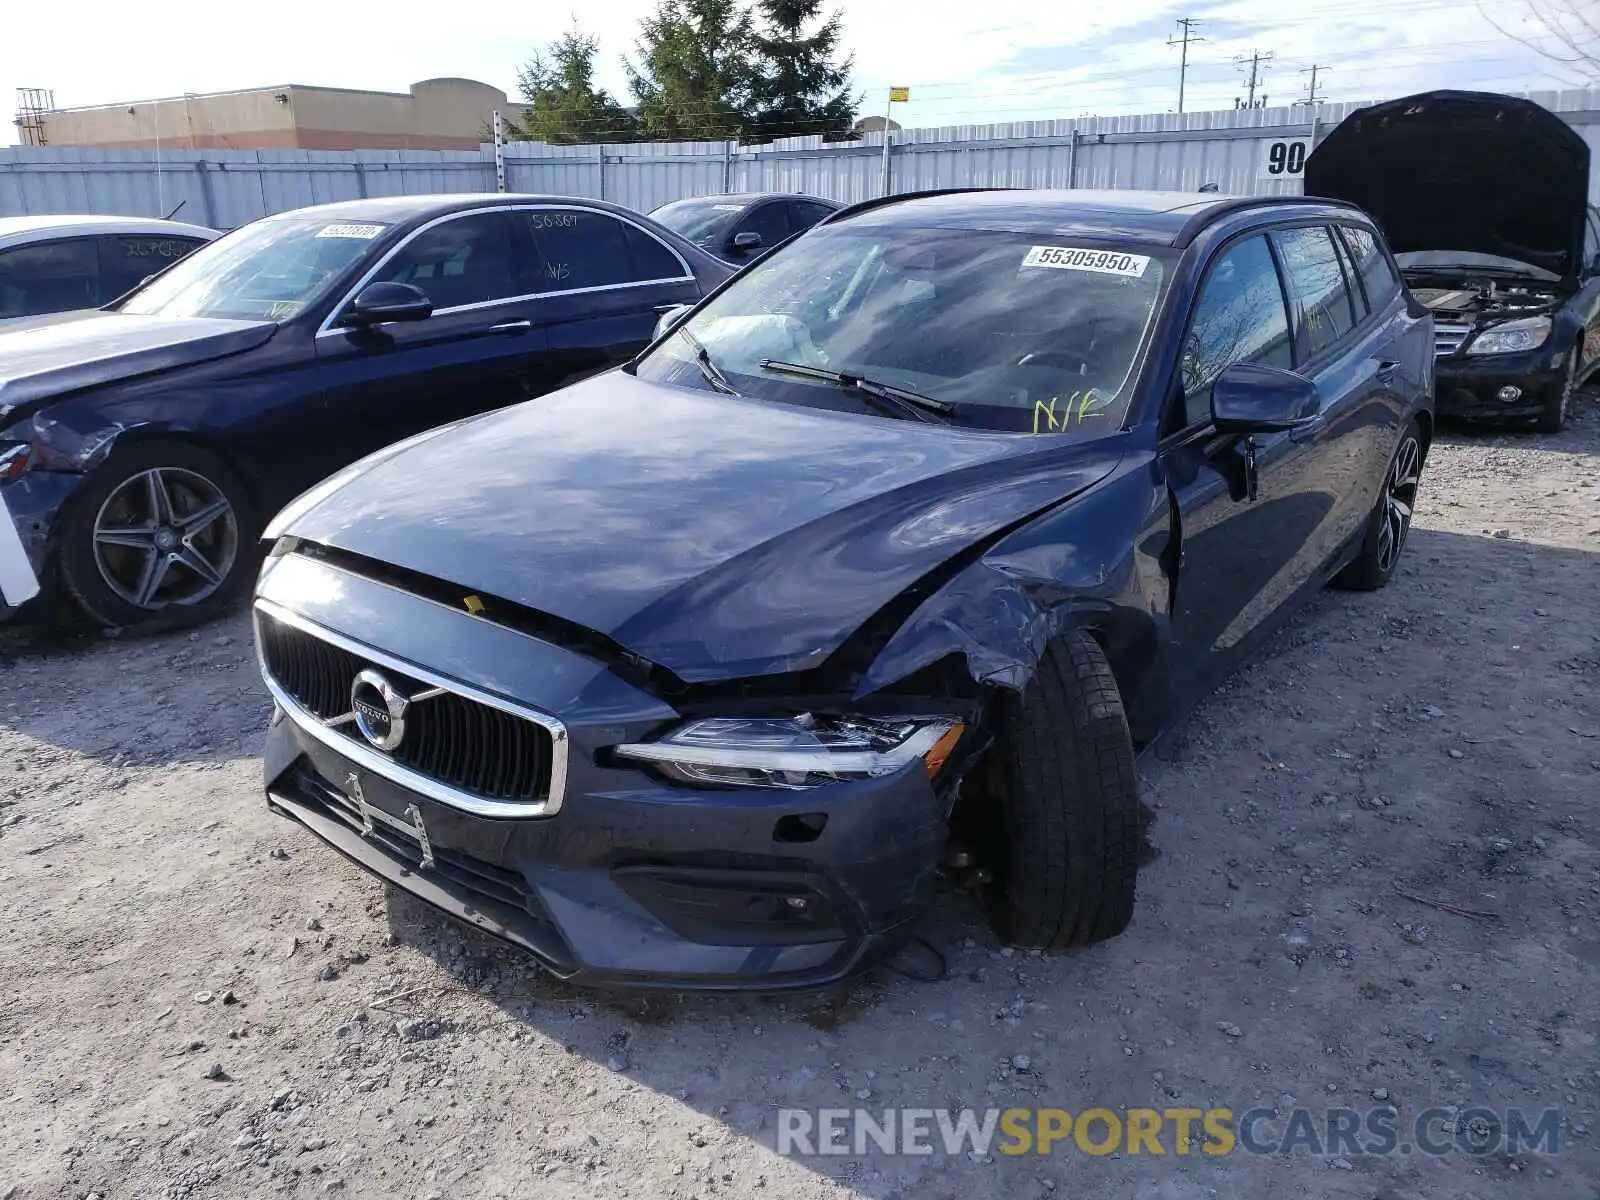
990	328
267	270
699	221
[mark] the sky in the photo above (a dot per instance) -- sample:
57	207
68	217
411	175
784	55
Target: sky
965	63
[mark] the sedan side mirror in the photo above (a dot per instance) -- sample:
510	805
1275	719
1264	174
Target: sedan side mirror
745	242
378	303
1252	398
669	320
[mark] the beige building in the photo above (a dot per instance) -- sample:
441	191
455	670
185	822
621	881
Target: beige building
436	114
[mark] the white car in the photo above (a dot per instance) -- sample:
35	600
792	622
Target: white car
57	264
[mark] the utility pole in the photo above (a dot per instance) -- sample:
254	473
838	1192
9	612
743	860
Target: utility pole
1186	24
1311	90
1255	58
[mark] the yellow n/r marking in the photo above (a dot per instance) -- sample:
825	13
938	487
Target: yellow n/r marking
474	605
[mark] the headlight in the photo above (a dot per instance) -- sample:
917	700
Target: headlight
15	459
796	752
1527	334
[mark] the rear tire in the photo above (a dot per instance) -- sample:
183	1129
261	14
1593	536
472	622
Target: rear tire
1559	406
162	535
1390	522
1063	820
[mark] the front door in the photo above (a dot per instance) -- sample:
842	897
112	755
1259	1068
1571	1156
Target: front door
1243	506
481	349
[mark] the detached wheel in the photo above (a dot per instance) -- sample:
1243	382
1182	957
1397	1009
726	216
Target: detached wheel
1062	832
1559	406
162	535
1390	521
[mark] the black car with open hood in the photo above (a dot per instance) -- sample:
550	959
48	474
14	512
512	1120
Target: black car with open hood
1484	200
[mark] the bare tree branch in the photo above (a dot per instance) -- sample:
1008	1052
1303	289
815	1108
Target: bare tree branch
1566	32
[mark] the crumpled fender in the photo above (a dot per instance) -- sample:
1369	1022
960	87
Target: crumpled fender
1099	561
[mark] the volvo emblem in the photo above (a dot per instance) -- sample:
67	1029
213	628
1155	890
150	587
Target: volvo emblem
380	710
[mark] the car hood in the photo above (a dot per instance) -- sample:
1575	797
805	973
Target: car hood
45	357
1462	171
719	537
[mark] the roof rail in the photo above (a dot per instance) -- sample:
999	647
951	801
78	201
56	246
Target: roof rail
1208	215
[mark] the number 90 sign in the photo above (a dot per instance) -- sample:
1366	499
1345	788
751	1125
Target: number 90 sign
1284	159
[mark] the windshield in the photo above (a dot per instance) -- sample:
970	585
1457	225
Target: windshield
1004	331
266	270
1424	260
699	221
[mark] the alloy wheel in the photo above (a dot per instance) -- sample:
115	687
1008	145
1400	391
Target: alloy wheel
165	536
1399	499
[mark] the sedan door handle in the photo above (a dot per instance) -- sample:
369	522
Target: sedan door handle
666	308
507	327
1387	367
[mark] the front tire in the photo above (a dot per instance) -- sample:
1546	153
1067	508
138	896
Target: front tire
162	535
1559	406
1390	521
1062	820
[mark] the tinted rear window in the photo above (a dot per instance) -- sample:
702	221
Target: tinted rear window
1372	264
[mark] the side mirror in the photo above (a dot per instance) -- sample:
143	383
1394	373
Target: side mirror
1251	398
669	320
745	242
378	303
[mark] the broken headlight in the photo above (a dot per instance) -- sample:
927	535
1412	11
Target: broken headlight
796	752
1511	337
15	459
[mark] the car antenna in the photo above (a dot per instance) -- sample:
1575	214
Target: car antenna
174	212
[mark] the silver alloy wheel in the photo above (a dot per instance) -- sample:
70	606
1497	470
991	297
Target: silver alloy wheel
1399	499
165	536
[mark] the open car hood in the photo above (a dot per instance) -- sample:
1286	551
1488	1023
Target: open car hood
1462	171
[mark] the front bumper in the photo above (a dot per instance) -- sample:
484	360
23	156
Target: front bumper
627	881
1467	386
31	509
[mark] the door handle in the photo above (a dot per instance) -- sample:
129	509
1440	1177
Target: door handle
1387	367
666	308
518	326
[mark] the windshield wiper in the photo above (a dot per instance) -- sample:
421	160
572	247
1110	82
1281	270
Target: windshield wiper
702	358
896	401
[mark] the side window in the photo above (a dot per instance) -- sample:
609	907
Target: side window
649	258
803	214
1316	281
579	249
49	277
770	221
1358	295
464	260
1591	241
127	259
1238	317
1371	264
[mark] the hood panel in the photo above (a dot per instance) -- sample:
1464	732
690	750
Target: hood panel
713	535
1462	171
43	358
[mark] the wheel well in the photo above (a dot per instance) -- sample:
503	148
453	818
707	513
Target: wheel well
144	436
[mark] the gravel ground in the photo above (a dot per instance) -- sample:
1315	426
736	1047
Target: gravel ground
1377	880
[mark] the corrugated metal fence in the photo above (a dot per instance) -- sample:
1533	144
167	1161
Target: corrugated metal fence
225	188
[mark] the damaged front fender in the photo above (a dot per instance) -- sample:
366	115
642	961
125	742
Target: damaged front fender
1088	563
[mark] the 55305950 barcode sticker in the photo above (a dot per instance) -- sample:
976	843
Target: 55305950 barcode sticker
364	232
1103	262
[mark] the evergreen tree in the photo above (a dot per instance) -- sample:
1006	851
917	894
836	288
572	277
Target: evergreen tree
694	78
799	87
563	106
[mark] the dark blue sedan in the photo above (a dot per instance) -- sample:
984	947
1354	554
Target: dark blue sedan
884	559
741	227
143	445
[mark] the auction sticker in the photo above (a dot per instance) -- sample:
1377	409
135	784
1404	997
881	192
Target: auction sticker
1103	262
364	232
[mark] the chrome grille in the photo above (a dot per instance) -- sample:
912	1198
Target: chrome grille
1447	338
460	742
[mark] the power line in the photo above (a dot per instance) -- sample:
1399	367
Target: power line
1311	90
1186	24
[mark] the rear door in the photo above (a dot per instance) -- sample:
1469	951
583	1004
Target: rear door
481	348
770	220
603	282
803	214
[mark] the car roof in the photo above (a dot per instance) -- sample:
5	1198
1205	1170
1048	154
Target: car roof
1162	218
396	209
93	223
748	198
